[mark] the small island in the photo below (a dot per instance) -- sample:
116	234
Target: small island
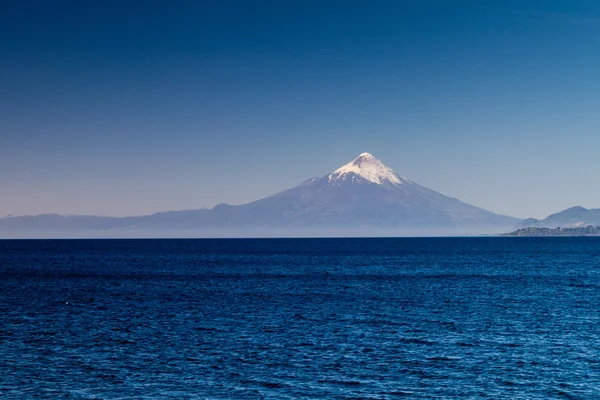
588	230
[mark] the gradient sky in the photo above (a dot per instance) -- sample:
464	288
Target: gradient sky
125	108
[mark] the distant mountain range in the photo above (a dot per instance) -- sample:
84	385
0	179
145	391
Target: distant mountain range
360	195
573	217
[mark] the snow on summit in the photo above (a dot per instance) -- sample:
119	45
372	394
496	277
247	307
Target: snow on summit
368	167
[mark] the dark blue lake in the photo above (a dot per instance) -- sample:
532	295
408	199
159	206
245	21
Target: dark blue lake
300	318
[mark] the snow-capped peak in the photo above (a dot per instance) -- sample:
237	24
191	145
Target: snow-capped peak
369	168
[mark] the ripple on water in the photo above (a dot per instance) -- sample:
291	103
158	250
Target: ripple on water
352	318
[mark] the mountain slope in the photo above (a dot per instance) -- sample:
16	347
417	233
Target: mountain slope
362	193
570	218
366	192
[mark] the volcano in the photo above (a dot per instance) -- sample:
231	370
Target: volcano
362	194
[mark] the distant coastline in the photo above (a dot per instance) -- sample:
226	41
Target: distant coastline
588	230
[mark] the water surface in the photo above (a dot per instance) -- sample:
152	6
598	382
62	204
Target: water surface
300	318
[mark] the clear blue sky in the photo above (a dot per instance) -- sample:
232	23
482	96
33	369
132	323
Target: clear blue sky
117	107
